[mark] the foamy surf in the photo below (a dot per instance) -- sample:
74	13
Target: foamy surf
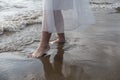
105	4
18	21
15	14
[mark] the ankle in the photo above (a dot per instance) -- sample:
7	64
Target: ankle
44	45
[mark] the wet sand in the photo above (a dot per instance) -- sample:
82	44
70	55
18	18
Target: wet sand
89	55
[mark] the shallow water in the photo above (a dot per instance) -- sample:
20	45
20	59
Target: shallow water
92	55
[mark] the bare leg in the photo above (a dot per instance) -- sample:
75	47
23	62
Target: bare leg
44	42
43	45
60	39
59	23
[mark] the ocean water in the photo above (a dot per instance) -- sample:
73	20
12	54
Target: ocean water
105	3
15	14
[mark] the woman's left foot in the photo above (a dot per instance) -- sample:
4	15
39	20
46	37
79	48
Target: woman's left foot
57	41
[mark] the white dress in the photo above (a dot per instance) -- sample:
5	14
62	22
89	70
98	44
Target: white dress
76	13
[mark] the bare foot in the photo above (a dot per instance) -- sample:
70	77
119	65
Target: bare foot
39	52
57	41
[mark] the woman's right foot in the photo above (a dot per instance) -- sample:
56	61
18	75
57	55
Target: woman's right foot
39	52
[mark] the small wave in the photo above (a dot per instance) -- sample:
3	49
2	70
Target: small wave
109	4
18	21
100	3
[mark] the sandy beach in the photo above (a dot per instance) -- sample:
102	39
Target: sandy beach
90	55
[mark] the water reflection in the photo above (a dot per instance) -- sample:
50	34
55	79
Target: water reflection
53	71
59	71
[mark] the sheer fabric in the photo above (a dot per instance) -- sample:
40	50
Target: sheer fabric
60	15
